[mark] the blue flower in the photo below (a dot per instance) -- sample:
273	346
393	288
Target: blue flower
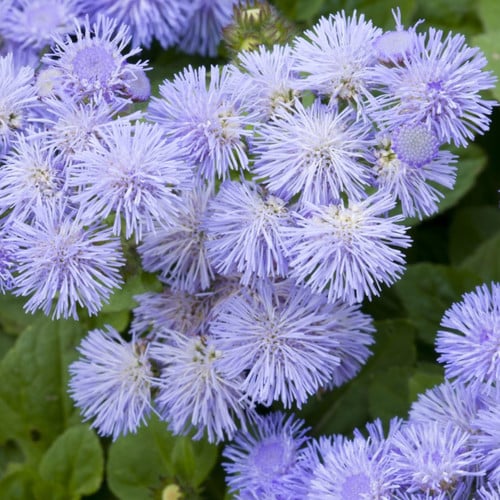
147	19
32	178
470	335
192	391
33	23
17	99
60	263
336	56
348	469
111	382
262	462
450	402
347	252
244	232
487	435
129	170
94	64
413	177
176	248
316	153
173	310
206	124
286	342
267	78
206	20
434	459
437	84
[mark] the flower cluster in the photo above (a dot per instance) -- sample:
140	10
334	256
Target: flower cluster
447	448
268	197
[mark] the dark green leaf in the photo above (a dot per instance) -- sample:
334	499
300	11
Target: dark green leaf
489	13
489	43
73	465
428	290
470	227
485	260
146	462
34	404
17	484
426	376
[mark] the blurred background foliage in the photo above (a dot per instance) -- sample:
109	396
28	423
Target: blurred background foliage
45	450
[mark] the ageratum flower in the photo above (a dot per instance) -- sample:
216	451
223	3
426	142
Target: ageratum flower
432	458
31	178
347	252
470	335
170	309
93	64
439	84
336	56
244	232
487	435
262	462
284	341
410	168
206	20
206	124
33	23
316	153
162	20
61	264
17	99
128	170
266	78
192	392
111	382
176	249
352	468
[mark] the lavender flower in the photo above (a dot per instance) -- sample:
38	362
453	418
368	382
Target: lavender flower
314	152
438	84
94	66
173	310
61	264
433	459
33	23
32	178
206	124
352	469
128	170
347	252
266	79
193	393
411	176
336	56
207	19
262	462
244	231
176	249
111	382
147	19
468	343
284	340
7	262
17	98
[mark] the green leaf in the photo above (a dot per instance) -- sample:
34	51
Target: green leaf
426	376
73	465
489	43
428	290
17	484
34	404
489	13
307	9
485	261
388	393
13	319
150	460
470	227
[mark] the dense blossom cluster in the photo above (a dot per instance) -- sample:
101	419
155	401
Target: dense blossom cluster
268	196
